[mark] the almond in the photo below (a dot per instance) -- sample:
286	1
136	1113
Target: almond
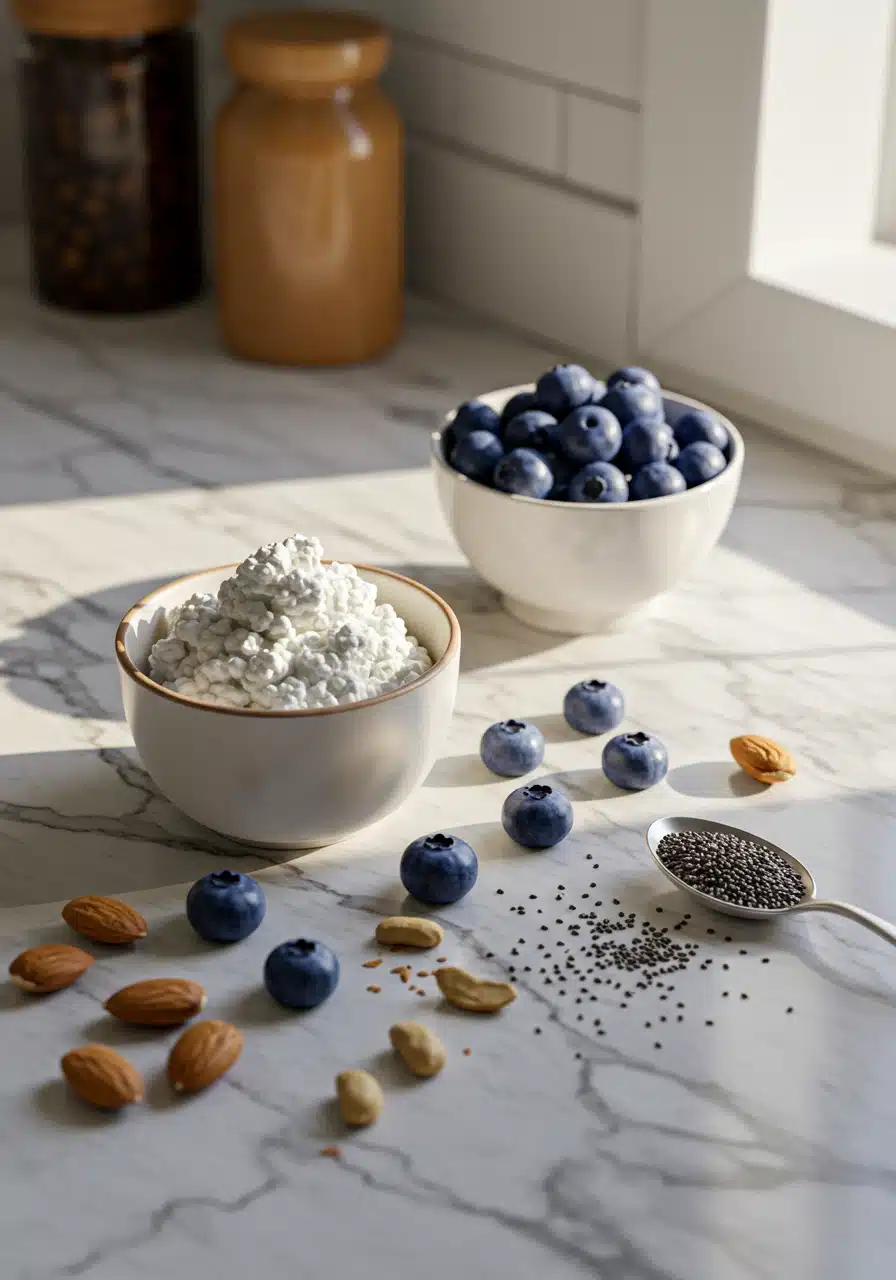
49	968
202	1055
478	995
409	931
102	1077
157	1002
762	758
104	919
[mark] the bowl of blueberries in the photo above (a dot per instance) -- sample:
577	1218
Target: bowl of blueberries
581	501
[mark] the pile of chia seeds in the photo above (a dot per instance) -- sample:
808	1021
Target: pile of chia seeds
595	952
732	869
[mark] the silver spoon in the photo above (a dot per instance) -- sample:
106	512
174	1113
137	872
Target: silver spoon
668	826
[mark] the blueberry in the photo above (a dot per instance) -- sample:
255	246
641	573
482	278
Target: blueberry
656	480
598	482
533	429
590	434
563	471
474	415
635	761
225	906
644	441
674	451
537	816
476	455
519	403
525	472
630	400
635	374
698	425
438	869
301	974
599	391
564	388
700	462
512	748
594	706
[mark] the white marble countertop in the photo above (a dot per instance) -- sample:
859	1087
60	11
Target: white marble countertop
758	1148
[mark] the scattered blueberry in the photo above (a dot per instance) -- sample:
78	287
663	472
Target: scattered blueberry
697	425
225	906
533	429
519	403
438	869
537	816
564	388
525	472
590	434
646	441
476	456
635	761
598	482
594	706
474	415
630	400
634	373
700	462
512	748
656	480
301	974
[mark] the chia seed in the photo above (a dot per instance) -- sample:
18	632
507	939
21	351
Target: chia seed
732	869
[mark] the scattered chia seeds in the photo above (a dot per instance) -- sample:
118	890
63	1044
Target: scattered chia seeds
732	869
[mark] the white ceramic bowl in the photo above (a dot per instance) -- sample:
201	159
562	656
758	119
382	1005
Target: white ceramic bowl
290	779
577	567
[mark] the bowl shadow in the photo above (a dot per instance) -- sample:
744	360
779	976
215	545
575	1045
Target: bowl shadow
459	771
490	636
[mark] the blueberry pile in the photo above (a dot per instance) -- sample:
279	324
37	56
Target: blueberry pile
575	439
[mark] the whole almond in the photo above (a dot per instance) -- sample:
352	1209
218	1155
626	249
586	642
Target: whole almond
359	1096
203	1054
409	931
762	758
102	1077
157	1002
104	919
478	995
49	968
421	1049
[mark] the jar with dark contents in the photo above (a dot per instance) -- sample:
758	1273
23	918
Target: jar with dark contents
112	179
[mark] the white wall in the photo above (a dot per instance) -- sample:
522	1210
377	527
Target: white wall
523	119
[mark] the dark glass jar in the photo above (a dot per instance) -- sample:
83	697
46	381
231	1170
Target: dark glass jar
111	152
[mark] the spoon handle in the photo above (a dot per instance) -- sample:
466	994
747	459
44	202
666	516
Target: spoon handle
881	927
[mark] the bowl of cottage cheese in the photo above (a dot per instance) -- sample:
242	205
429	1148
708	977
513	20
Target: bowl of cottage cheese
289	700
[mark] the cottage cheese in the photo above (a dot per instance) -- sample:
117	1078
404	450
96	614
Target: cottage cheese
287	633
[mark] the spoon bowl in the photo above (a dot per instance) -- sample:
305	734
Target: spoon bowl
809	902
671	826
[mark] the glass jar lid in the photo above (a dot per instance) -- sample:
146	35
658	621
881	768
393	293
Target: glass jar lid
99	19
307	50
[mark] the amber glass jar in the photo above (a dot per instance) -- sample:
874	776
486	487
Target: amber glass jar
111	155
308	192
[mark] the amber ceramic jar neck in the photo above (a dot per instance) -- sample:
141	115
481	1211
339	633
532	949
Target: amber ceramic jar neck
306	54
102	19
